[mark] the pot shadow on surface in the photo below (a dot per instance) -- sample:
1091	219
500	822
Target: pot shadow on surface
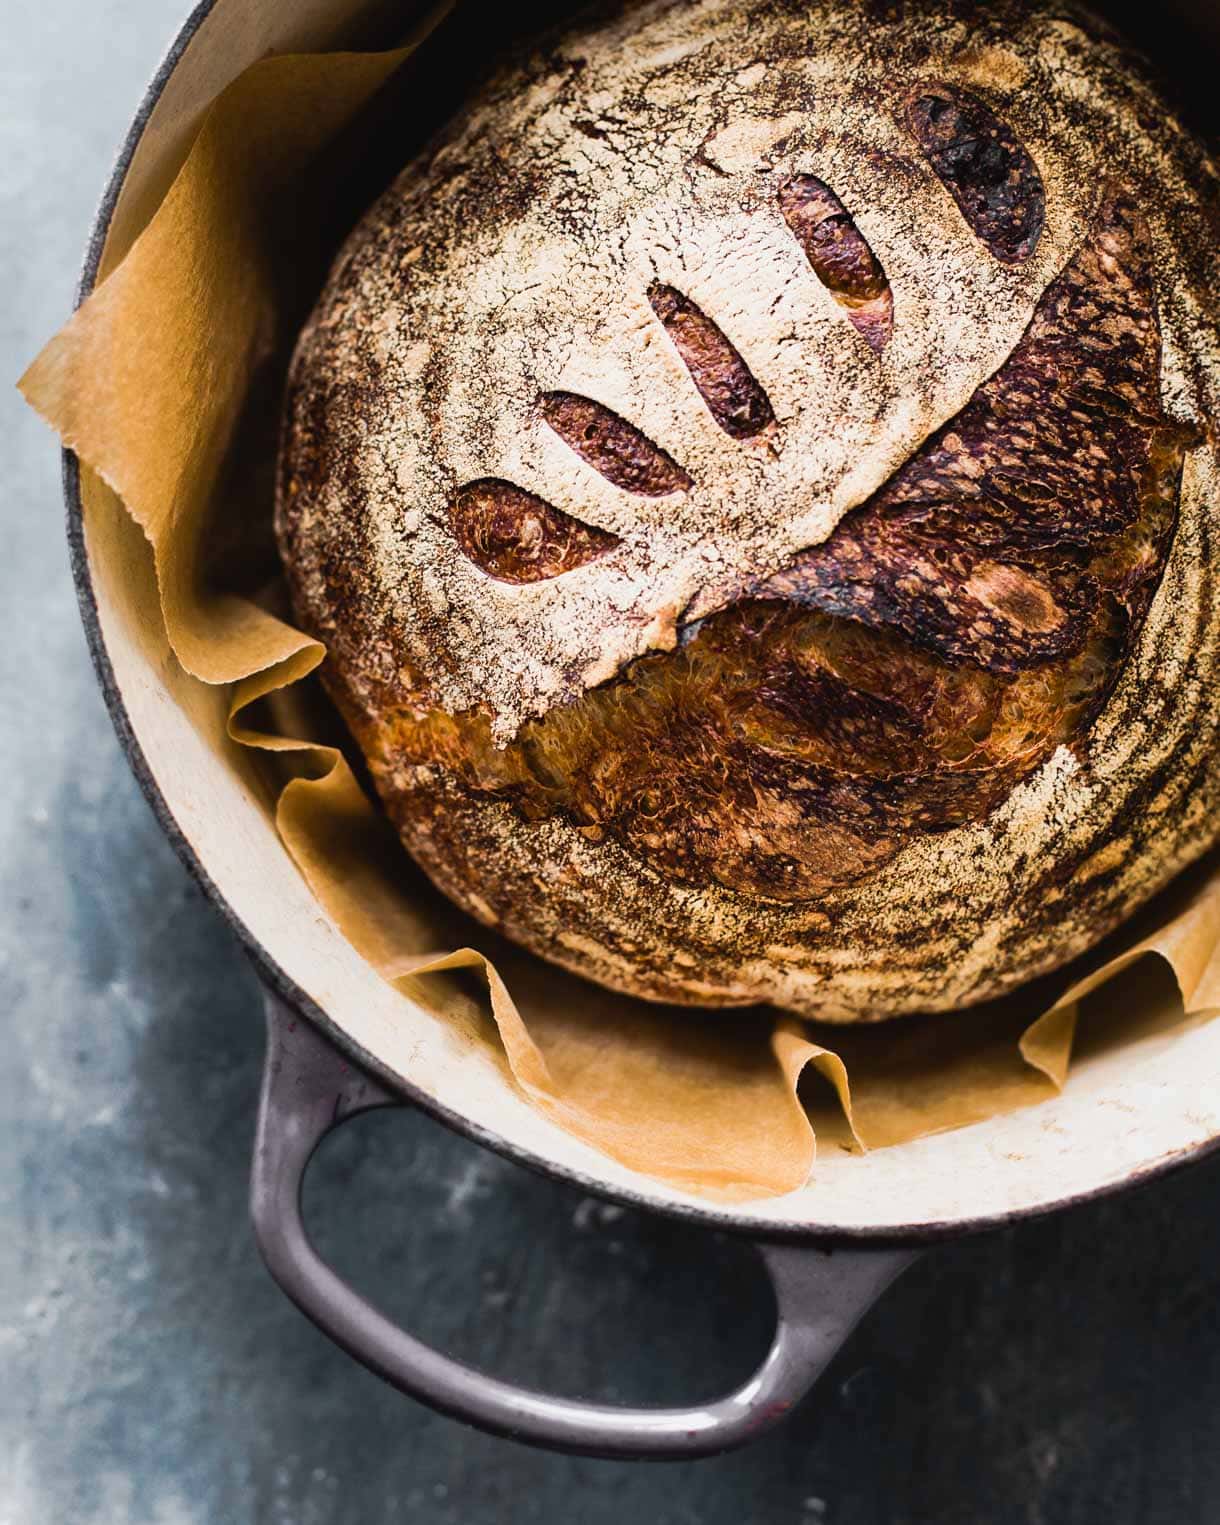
1066	1370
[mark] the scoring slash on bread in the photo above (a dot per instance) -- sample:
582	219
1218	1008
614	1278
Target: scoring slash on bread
756	478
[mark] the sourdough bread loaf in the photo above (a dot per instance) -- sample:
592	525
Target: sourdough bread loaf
756	478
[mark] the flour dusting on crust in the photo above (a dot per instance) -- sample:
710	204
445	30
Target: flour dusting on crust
818	340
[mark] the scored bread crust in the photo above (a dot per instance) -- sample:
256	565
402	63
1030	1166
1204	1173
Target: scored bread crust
527	256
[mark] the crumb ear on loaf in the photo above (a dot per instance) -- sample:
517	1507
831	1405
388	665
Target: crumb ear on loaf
756	477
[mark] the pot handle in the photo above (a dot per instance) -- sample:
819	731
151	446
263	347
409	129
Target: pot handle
309	1088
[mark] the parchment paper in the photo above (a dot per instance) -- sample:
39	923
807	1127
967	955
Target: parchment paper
165	383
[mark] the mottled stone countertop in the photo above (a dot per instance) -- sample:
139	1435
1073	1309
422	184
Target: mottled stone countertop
1068	1371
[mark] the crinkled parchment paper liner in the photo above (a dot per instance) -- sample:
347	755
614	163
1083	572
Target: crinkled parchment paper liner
164	383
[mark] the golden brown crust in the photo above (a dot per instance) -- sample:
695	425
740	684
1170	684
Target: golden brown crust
612	446
840	255
722	378
829	673
517	537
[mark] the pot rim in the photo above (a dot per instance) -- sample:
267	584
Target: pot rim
710	1217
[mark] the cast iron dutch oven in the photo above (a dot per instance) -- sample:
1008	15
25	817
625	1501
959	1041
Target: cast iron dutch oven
341	1041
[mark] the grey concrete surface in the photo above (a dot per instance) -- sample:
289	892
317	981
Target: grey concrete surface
1064	1374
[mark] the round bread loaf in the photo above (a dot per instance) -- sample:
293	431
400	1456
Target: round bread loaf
756	478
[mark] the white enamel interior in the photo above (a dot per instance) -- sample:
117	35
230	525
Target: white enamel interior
1120	1115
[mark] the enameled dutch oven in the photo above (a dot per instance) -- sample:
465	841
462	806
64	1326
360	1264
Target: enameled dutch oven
340	1040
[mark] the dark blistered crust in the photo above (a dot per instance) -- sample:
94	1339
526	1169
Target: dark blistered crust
515	536
734	398
840	256
1002	543
985	168
612	446
902	677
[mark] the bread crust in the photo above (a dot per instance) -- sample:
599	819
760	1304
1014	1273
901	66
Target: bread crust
756	478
